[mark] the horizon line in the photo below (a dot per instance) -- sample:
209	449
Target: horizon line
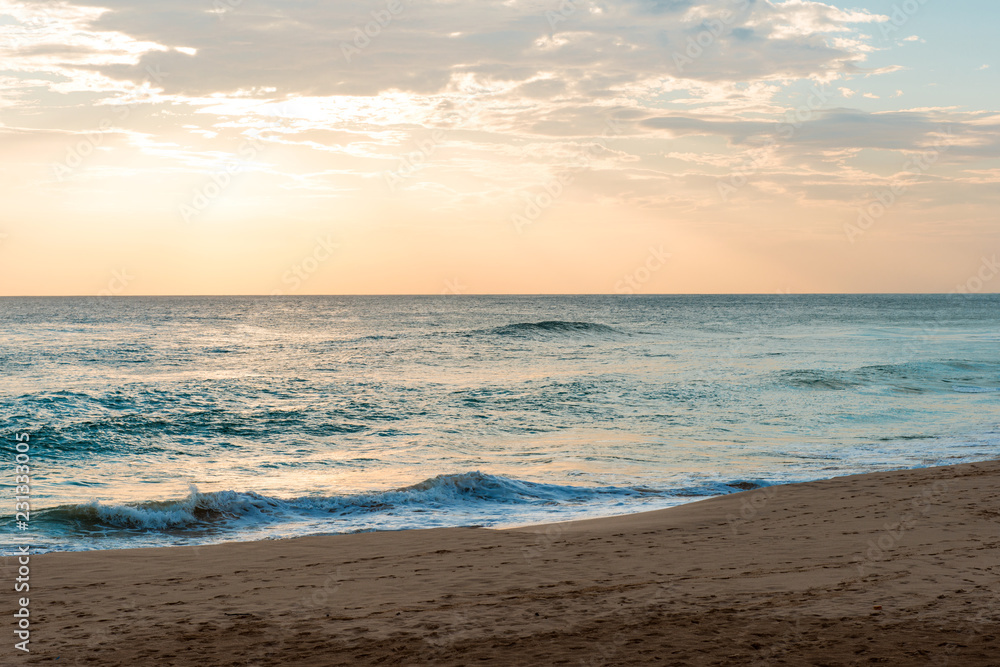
484	294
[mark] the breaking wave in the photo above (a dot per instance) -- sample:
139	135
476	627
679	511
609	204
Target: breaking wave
468	494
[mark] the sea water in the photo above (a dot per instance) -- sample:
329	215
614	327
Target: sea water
168	421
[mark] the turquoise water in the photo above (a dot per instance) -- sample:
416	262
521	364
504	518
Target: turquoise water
158	421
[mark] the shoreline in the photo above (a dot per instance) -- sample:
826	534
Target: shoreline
586	515
898	565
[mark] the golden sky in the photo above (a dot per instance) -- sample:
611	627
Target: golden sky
450	146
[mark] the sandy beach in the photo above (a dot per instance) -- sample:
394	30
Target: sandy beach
896	568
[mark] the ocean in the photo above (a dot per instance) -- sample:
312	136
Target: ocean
183	421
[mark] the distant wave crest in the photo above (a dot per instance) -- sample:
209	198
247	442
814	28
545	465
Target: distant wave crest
552	328
914	377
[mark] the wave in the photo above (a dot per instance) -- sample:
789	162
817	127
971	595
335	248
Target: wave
468	492
917	377
815	379
552	328
197	509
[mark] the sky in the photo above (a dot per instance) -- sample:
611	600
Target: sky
525	146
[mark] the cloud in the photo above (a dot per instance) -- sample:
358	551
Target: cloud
827	130
517	91
359	48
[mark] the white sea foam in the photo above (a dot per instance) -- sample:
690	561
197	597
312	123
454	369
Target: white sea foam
430	502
